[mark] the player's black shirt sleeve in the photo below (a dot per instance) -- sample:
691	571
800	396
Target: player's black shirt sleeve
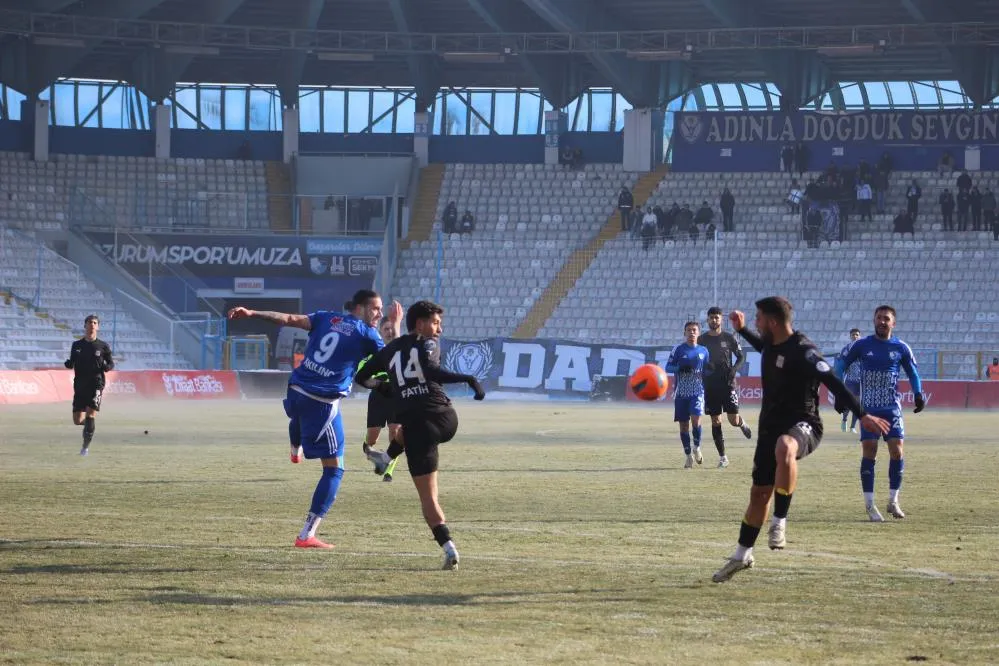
825	374
753	339
738	351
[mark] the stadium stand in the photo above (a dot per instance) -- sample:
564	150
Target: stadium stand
132	192
529	220
37	333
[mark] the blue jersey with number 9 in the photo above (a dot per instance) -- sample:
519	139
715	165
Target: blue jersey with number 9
337	343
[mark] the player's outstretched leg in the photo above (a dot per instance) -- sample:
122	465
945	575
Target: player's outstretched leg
426	487
718	435
89	427
785	483
295	438
697	431
896	468
749	531
322	499
867	462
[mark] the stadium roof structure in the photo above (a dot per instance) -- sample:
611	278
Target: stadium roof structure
650	51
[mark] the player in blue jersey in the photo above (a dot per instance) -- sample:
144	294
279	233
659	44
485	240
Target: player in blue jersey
688	362
337	343
881	356
849	376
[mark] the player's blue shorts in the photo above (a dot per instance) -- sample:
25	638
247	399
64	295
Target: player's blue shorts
893	417
315	425
684	408
853	387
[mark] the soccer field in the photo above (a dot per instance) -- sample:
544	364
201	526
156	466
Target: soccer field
582	541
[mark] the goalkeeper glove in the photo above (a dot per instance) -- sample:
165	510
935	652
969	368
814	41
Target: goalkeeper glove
920	403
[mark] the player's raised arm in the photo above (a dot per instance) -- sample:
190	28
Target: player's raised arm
394	316
817	366
280	318
908	363
435	373
738	320
366	372
740	357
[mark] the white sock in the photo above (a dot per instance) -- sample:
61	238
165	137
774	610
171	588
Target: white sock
449	547
869	499
893	494
774	520
741	552
311	525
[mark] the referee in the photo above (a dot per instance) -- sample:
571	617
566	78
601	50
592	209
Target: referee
89	358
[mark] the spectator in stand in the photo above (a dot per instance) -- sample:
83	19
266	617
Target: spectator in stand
649	227
704	215
636	222
864	196
709	233
794	197
912	196
864	171
946	163
904	224
879	184
964	181
992	371
995	228
727	205
813	225
947	210
976	208
625	202
450	218
801	158
886	165
832	173
671	220
787	158
684	220
963	207
467	225
988	209
660	222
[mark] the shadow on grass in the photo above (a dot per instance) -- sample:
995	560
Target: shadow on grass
128	569
454	599
551	470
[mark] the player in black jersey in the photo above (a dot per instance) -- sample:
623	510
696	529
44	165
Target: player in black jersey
721	393
89	358
422	408
790	427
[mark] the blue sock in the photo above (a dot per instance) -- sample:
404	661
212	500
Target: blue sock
326	490
867	475
895	470
697	435
685	440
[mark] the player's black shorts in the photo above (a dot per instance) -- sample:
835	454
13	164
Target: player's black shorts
381	410
718	399
86	396
765	458
422	433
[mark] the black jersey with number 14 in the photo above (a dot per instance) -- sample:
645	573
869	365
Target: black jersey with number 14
413	367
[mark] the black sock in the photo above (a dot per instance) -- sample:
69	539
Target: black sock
394	449
718	435
747	535
89	426
782	502
441	534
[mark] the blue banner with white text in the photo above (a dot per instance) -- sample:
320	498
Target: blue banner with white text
753	141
